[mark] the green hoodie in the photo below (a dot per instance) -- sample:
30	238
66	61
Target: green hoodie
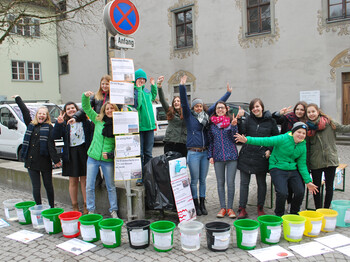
144	98
286	154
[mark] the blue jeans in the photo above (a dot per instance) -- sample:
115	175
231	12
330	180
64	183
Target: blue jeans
108	174
198	164
281	179
147	141
231	167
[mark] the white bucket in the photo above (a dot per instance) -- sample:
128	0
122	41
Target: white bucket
190	233
10	210
37	218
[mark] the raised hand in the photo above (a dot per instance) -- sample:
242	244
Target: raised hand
285	110
152	81
88	93
240	138
60	118
229	89
234	120
160	80
240	112
183	80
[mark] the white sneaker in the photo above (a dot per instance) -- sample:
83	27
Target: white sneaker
91	212
114	214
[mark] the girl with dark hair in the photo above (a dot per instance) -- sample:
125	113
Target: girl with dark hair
254	159
77	139
176	132
322	150
223	154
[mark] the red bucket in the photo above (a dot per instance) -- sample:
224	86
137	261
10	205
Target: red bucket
70	223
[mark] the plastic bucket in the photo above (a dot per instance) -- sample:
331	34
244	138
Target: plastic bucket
247	233
313	222
329	220
190	233
218	235
162	235
138	233
270	228
10	210
51	220
293	227
36	217
343	209
89	229
110	232
70	223
23	212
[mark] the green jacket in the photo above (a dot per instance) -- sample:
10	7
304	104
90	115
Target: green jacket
286	154
99	142
176	131
322	150
144	106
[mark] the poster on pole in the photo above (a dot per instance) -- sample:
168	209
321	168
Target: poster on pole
121	93
125	123
311	97
123	69
127	146
127	168
181	188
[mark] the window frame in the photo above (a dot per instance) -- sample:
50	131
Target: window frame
259	6
27	26
62	72
29	71
338	18
174	12
185	23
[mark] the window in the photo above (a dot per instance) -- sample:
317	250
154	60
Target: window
6	116
27	26
338	9
64	69
62	5
184	31
188	91
258	16
26	71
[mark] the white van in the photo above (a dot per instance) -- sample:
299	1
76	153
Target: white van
161	121
13	128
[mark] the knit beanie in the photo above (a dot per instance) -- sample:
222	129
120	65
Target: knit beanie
140	74
196	101
298	125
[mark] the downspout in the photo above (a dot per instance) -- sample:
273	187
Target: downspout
107	47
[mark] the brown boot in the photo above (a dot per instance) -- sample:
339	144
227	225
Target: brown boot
75	207
85	210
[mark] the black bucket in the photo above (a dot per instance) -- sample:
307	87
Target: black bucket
138	233
218	236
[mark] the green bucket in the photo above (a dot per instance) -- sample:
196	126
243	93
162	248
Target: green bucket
110	232
23	212
293	227
162	235
89	228
52	222
270	228
247	233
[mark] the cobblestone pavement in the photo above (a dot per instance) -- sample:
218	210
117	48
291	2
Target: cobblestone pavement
44	248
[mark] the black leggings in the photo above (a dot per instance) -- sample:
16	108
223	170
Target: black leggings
329	173
36	184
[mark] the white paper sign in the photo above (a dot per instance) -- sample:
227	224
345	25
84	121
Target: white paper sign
127	146
76	246
121	93
127	168
88	232
311	97
48	225
345	250
138	237
125	122
3	223
333	241
163	240
123	69
24	236
310	249
270	253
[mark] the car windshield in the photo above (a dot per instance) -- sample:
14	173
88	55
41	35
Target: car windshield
53	110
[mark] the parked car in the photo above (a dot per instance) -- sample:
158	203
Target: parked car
161	121
13	128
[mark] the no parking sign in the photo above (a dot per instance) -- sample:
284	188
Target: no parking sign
121	16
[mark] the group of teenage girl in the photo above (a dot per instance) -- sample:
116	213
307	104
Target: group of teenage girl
204	135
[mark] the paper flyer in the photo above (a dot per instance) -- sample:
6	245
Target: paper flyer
24	236
310	249
345	250
270	253
127	168
76	246
123	69
127	146
125	122
3	223
121	93
333	241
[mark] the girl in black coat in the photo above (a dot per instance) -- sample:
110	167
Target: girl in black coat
254	159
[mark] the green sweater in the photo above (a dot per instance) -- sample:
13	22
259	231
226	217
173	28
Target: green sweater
286	154
99	142
145	107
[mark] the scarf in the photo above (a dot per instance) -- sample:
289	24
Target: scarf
291	119
105	94
108	127
318	125
44	136
221	121
202	117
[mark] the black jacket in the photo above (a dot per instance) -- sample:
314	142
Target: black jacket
252	158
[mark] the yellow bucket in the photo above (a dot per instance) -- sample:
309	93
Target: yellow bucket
313	222
329	220
293	227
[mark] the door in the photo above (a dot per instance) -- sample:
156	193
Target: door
346	98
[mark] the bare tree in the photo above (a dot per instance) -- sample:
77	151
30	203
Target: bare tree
18	14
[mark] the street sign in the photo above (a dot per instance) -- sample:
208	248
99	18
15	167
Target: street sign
124	42
121	16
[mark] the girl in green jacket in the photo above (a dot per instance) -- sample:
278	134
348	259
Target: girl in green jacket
286	163
322	150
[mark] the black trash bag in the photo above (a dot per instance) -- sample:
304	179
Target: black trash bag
156	179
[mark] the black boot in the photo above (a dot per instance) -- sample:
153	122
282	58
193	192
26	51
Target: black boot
202	206
198	210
